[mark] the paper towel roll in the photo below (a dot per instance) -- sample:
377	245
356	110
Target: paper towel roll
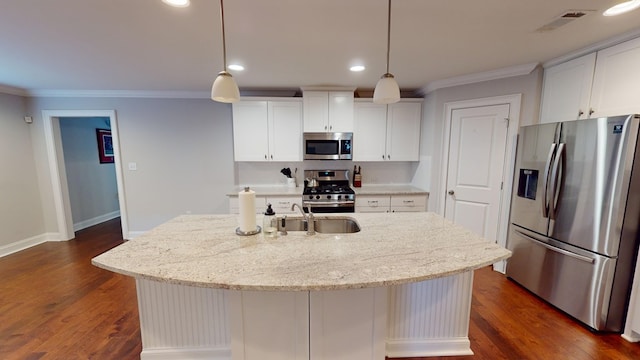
247	205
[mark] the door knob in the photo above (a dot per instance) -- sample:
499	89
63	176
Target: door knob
450	192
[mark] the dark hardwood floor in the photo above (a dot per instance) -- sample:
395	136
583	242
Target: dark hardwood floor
55	305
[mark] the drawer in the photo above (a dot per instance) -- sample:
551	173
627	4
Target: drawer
409	201
372	203
234	207
282	204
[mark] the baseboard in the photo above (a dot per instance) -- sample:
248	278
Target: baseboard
27	243
186	354
96	220
432	347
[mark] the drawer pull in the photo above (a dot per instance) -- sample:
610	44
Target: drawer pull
407	201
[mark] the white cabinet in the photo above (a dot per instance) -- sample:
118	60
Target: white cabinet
567	90
266	130
595	85
387	132
234	205
391	203
615	83
328	111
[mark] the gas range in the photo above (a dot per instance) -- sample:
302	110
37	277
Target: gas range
328	191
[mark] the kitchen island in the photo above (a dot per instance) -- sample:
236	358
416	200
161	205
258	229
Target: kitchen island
399	287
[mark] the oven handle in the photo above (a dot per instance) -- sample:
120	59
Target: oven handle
329	203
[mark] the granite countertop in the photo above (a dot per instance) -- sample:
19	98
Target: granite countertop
275	190
391	248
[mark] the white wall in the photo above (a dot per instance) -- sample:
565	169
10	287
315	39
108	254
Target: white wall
93	191
433	120
21	215
182	147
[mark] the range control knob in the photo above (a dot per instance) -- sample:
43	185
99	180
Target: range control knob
329	197
317	196
310	197
339	197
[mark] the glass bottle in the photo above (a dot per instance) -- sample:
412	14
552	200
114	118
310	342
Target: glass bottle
269	225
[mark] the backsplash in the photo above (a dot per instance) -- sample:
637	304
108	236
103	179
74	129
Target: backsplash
255	173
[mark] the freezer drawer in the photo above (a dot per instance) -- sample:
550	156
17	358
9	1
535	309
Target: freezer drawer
575	281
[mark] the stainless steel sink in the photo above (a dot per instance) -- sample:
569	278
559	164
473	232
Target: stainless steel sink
323	225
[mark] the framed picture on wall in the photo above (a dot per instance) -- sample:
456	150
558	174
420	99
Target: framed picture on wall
105	146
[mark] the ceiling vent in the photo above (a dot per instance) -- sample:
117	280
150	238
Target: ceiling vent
567	17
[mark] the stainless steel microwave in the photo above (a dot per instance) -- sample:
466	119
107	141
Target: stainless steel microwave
328	146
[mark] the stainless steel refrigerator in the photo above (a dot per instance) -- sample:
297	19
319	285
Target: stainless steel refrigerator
574	218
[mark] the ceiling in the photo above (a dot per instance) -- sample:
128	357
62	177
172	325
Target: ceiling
145	45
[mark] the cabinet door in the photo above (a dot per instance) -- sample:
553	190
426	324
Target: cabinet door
285	131
567	90
403	131
341	111
616	79
316	111
370	132
250	139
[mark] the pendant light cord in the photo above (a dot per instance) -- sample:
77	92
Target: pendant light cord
224	43
388	34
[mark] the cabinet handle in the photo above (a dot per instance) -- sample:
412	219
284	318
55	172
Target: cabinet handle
284	202
591	111
580	113
407	201
265	156
389	157
330	127
271	157
372	202
325	127
382	156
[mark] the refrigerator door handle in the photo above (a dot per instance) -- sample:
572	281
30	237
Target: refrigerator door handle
558	250
545	200
557	179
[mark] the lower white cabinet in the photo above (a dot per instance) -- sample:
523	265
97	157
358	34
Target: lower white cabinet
279	204
391	203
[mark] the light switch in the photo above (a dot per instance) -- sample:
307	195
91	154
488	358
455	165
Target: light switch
133	166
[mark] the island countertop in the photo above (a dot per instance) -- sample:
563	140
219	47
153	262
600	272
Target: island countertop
391	249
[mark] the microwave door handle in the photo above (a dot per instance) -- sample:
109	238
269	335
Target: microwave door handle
557	180
547	166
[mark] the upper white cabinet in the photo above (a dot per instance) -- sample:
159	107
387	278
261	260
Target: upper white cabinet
616	79
328	111
387	132
594	85
567	90
265	130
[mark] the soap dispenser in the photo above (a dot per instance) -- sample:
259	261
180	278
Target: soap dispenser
269	223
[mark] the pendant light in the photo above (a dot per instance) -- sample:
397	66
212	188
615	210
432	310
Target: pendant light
387	90
224	88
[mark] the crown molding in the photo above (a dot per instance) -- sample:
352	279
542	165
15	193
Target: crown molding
4	89
122	94
507	72
593	48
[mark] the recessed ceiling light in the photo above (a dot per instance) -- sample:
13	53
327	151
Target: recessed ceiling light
236	67
357	68
177	3
622	8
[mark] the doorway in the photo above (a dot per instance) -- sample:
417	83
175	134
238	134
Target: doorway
479	153
60	187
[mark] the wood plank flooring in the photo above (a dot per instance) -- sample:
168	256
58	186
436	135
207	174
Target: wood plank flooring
55	305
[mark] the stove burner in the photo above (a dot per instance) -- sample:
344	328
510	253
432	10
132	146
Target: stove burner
332	194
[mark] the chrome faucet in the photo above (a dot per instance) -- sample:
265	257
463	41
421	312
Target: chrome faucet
307	217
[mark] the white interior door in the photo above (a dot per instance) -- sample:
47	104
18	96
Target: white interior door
477	146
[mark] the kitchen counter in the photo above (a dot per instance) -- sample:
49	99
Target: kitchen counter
401	287
391	249
380	189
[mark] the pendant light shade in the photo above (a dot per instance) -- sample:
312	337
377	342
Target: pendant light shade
387	90
224	88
